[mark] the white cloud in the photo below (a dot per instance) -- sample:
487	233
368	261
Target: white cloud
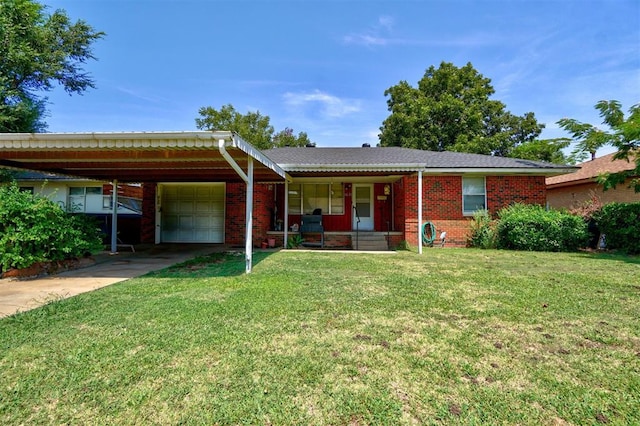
331	106
139	95
386	22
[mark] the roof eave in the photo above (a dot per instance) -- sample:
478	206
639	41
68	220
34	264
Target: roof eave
497	170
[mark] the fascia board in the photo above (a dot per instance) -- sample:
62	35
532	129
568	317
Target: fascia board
499	171
351	168
239	143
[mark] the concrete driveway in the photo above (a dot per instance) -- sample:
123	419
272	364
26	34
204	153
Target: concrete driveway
24	294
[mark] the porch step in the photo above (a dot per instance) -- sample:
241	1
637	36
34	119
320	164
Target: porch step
367	241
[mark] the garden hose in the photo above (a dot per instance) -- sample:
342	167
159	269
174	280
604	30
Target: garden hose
428	237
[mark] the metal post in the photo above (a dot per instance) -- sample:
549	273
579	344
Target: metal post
249	216
114	218
420	212
285	236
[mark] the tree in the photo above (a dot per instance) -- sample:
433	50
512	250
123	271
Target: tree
254	127
6	175
588	138
287	138
38	51
549	150
450	110
625	137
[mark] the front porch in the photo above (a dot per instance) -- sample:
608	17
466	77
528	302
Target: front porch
342	240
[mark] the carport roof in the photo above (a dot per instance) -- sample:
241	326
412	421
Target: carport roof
138	156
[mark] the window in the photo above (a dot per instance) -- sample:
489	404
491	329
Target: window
305	198
81	197
473	195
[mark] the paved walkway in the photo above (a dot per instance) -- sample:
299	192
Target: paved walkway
24	294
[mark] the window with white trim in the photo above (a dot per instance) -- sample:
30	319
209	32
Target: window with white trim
81	196
474	195
305	198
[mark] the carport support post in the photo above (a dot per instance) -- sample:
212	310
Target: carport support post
249	216
420	211
114	217
285	236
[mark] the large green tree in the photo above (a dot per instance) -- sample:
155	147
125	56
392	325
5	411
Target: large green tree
38	51
451	110
254	127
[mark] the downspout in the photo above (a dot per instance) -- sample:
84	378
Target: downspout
285	236
419	211
114	217
248	178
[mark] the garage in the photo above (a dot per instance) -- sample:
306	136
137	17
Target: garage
192	213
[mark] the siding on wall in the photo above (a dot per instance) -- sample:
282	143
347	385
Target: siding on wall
575	195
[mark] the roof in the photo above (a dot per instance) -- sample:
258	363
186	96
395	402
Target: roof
589	170
26	176
139	156
396	159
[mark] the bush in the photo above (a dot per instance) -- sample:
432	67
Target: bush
620	222
35	229
483	233
531	227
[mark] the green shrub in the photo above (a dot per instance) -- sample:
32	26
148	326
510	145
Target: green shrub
295	241
531	227
482	234
620	222
35	229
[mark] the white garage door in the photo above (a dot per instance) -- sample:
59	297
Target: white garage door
192	213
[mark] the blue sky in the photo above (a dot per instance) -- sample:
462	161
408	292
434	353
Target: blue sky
322	66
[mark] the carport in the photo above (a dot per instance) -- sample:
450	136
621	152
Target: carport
139	157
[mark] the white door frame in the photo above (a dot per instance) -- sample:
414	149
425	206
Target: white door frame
366	223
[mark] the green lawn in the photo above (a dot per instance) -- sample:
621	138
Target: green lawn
452	336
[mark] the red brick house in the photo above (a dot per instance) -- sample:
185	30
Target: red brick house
574	189
383	184
196	185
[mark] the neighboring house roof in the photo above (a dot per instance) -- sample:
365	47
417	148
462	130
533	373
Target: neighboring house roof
311	159
590	170
30	176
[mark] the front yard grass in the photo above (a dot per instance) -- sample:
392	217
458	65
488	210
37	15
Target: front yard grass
453	336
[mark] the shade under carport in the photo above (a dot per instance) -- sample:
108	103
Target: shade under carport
145	157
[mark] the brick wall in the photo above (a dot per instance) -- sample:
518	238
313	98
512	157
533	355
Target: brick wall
503	191
124	190
148	222
442	202
263	203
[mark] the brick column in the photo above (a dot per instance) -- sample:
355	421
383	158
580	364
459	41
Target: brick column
148	223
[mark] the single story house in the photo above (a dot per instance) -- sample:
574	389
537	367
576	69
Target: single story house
94	198
214	187
574	189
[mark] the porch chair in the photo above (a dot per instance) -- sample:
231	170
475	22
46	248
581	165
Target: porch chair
312	224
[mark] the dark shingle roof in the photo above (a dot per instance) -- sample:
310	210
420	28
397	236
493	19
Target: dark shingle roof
294	158
41	176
